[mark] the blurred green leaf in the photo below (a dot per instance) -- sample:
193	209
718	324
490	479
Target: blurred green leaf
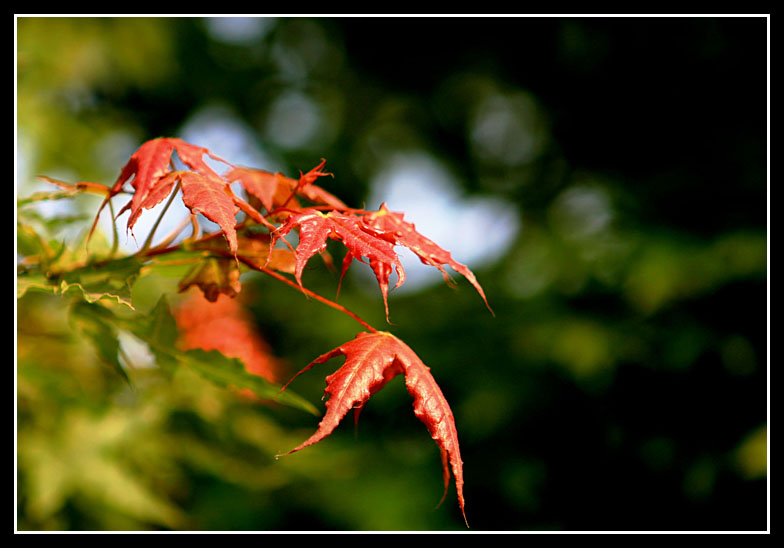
158	328
83	456
95	323
107	280
230	372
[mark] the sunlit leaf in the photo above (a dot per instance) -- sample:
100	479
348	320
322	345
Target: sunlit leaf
372	360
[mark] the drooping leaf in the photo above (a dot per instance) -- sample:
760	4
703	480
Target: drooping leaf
215	273
401	232
372	360
382	271
147	165
213	199
151	161
257	246
316	227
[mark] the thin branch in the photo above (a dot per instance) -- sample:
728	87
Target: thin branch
89	188
148	241
307	292
162	250
115	235
83	186
176	232
195	228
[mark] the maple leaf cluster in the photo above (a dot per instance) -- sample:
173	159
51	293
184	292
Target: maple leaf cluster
281	205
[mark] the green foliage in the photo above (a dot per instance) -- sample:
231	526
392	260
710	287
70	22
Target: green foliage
87	442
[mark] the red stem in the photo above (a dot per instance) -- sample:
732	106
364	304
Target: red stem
279	277
308	292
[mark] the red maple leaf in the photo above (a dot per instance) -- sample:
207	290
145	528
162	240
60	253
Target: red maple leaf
401	232
213	199
151	161
316	194
148	169
276	190
155	193
316	227
272	189
372	360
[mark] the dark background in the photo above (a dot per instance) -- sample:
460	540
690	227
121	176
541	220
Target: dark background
625	388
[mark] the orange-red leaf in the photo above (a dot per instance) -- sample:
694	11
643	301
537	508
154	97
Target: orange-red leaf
308	178
149	171
316	227
146	165
316	194
257	247
152	158
381	269
372	360
276	190
193	157
156	192
401	232
213	199
271	189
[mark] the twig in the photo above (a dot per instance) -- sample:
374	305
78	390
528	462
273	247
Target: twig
308	292
148	241
174	233
115	236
